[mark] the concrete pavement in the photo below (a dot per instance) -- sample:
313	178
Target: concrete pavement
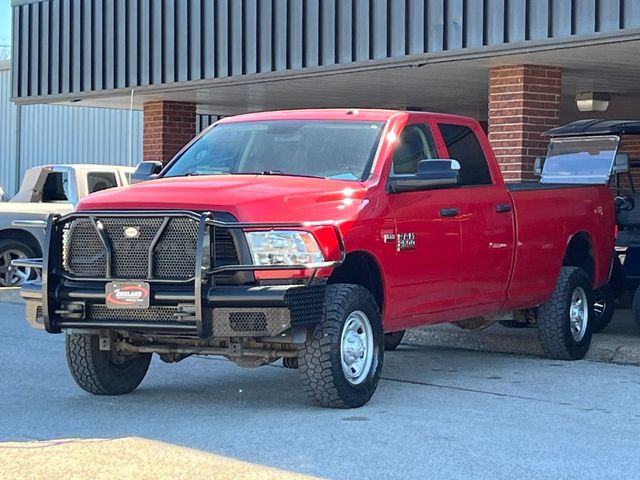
438	413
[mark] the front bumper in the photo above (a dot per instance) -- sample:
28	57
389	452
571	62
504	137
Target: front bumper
197	307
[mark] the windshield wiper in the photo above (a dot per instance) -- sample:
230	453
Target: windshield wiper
280	173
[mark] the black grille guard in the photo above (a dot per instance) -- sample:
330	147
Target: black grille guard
204	270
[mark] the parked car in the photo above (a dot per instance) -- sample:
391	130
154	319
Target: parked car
307	236
46	190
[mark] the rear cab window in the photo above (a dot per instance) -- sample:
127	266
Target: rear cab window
56	187
97	181
463	145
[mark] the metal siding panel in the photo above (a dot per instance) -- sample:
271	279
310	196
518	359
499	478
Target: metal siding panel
134	64
87	46
109	45
538	19
562	19
222	38
435	26
208	40
144	35
169	42
379	30
455	24
312	33
34	51
495	22
8	112
344	33
295	34
76	46
236	37
473	20
631	14
362	35
182	41
44	50
265	36
25	74
609	15
16	33
195	40
98	45
397	29
251	36
280	27
517	20
157	52
584	12
327	32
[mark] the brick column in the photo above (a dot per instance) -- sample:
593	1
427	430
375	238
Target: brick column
524	101
168	126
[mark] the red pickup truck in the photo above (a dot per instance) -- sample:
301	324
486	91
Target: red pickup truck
317	237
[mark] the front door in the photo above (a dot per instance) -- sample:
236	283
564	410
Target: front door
424	278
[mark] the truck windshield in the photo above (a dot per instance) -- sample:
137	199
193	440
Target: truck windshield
580	160
341	150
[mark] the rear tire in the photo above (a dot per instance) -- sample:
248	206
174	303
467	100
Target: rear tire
340	364
392	340
95	371
603	307
564	321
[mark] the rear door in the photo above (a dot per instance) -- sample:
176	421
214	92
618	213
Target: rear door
423	277
486	219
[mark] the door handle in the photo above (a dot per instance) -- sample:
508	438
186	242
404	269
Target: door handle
449	212
503	208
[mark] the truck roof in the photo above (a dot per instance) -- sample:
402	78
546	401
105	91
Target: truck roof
596	127
355	114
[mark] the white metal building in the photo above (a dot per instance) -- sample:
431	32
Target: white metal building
33	135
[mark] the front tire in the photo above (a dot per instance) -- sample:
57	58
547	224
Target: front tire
564	321
340	365
97	372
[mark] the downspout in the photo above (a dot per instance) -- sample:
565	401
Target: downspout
17	167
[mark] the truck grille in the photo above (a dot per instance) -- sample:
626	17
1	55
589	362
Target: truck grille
170	242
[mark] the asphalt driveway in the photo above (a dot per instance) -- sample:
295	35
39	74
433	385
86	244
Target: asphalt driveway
438	413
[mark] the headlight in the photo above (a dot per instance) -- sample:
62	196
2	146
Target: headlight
283	247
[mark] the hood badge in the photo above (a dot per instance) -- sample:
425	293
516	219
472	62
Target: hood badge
131	232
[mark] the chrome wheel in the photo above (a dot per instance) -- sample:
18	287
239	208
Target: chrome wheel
11	276
356	347
579	314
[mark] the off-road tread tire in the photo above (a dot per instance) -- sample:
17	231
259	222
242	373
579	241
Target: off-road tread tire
290	362
319	361
93	371
602	322
554	330
392	340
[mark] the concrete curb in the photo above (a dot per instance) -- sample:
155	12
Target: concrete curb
605	347
10	295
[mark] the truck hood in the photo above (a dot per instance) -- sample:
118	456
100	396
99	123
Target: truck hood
250	198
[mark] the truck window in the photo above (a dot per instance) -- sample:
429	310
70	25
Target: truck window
55	187
463	146
97	181
415	144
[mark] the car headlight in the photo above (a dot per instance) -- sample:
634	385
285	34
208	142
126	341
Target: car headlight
283	247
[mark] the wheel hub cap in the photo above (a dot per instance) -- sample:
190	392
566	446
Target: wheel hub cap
579	314
11	276
356	347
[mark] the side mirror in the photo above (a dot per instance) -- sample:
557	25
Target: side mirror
621	163
537	167
431	174
146	171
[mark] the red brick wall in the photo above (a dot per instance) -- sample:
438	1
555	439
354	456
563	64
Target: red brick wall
524	101
168	126
631	145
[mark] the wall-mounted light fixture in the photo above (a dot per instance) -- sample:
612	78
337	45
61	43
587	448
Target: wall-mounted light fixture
593	101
